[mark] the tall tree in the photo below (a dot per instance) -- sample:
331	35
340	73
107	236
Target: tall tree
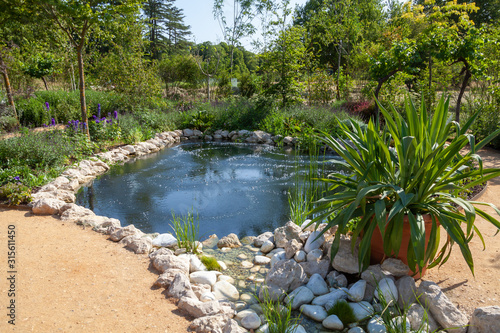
240	23
77	19
166	31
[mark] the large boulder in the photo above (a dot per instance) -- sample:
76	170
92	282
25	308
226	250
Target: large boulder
74	212
121	233
441	308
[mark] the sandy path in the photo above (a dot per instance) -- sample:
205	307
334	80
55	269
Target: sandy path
455	277
74	280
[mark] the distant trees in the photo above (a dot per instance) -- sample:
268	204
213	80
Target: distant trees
165	29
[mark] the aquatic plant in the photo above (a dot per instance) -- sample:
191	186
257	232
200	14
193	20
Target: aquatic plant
279	317
186	230
210	263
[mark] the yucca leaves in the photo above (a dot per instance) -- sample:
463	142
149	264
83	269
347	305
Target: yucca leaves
411	167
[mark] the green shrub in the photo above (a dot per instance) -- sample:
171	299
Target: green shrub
249	85
8	123
15	193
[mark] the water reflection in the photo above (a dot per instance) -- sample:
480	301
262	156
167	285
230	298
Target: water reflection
233	187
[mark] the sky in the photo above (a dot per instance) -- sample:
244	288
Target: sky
198	14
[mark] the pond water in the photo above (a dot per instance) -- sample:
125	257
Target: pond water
234	188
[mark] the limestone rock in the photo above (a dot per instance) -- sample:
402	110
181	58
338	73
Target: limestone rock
441	308
232	327
165	262
251	321
165	240
47	206
211	241
261	260
140	245
373	274
230	240
123	232
286	274
386	290
395	267
159	252
486	319
225	290
180	287
210	324
300	256
346	261
292	247
288	232
75	213
332	297
199	309
267	236
315	255
418	318
267	246
314	241
407	291
166	278
320	267
336	279
203	277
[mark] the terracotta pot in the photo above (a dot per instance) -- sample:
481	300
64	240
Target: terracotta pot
377	244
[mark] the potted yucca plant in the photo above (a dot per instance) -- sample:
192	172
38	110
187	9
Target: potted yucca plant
402	184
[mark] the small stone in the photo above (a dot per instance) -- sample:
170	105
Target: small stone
267	236
251	321
357	291
373	274
407	291
356	329
315	255
386	290
331	298
222	265
181	288
418	317
401	324
292	247
227	278
346	261
242	256
300	256
376	325
362	310
317	285
336	280
288	232
333	322
315	312
246	264
208	297
300	296
261	260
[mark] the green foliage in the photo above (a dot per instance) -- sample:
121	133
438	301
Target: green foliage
200	120
342	310
40	65
224	89
15	193
278	317
179	68
210	263
249	85
186	231
408	169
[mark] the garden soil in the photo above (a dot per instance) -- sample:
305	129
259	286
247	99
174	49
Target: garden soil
70	279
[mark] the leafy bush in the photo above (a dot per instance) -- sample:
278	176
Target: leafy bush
201	120
249	85
362	109
8	123
15	193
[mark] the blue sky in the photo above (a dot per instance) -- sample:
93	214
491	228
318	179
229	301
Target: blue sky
198	14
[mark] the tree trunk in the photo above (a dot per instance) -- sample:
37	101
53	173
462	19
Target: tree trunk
83	103
379	86
465	82
45	83
8	89
208	88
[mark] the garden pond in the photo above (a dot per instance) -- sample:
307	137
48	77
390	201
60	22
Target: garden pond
234	188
